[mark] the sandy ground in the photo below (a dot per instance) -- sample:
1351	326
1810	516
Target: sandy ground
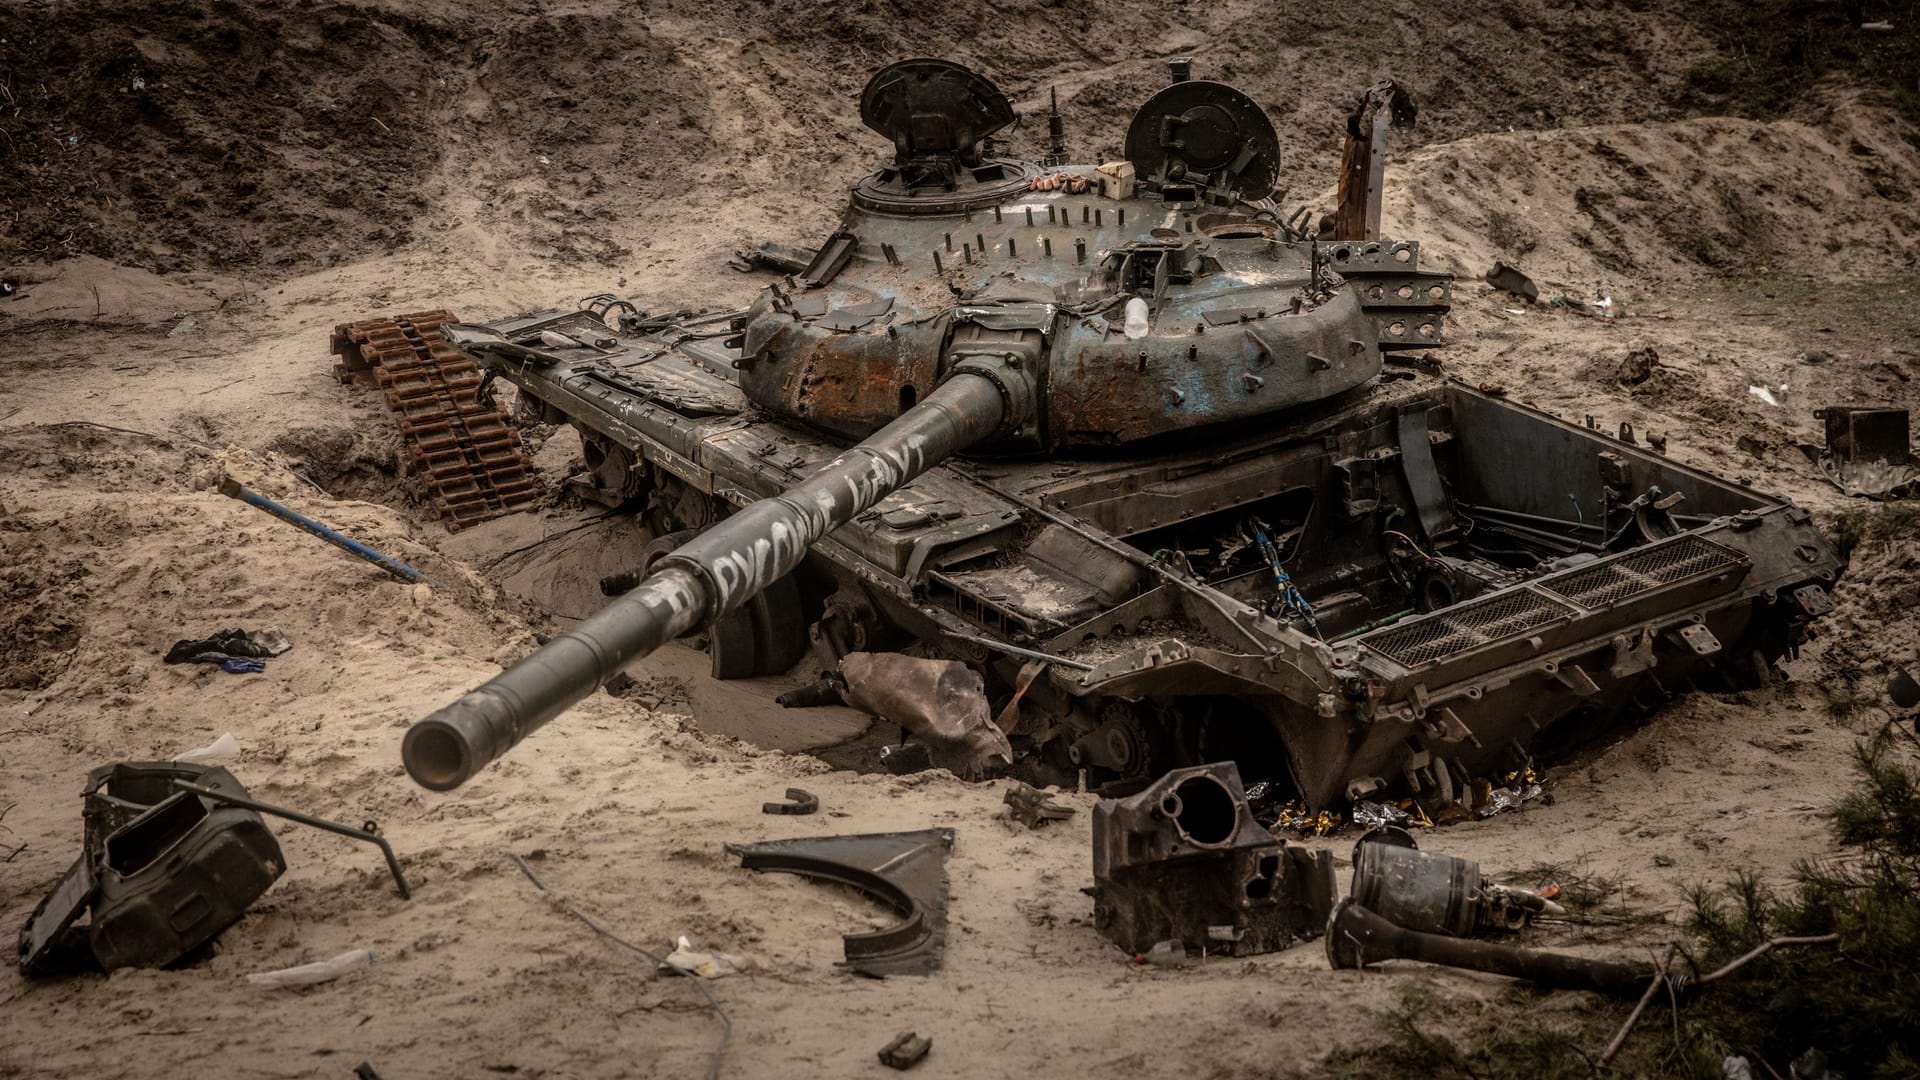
1733	246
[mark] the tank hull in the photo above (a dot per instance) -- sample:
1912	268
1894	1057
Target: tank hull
1489	584
1199	518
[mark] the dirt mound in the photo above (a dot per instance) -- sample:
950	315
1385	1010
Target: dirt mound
181	135
1658	201
43	597
87	288
281	135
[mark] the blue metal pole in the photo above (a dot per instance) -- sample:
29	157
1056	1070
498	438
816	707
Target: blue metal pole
231	487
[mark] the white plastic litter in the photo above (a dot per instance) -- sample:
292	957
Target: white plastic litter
225	746
1136	327
273	639
318	972
707	965
1772	395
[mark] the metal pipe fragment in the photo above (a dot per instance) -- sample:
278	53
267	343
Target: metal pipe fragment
1357	937
368	832
232	489
699	582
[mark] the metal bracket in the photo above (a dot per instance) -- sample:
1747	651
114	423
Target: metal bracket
1031	807
1631	656
798	802
1697	637
906	871
1813	600
369	832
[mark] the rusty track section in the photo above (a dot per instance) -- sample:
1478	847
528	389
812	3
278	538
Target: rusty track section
463	449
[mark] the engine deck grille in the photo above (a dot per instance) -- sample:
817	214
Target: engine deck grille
1466	626
1643	570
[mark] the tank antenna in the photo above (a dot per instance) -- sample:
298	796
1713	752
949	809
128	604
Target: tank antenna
1056	132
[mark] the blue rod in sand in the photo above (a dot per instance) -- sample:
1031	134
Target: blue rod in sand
231	487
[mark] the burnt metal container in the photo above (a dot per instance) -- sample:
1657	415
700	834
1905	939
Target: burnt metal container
1164	463
162	873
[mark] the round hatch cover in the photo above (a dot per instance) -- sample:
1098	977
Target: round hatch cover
1207	134
933	108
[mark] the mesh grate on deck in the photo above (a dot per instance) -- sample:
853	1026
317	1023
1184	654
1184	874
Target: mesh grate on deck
1465	626
1642	570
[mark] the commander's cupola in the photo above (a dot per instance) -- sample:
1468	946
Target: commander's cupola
941	119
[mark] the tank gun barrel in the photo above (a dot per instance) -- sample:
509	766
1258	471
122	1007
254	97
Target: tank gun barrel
704	579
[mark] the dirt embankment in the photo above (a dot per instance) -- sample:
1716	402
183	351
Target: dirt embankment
280	136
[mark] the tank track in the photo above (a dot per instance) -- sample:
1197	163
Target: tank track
463	448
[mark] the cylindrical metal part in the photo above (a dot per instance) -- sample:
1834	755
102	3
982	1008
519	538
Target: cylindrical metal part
937	268
1046	245
1419	890
1011	252
700	581
1357	937
1029	217
1079	250
1120	216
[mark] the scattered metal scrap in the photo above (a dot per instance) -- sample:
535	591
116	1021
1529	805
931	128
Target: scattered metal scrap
1185	860
1869	453
1435	893
1412	905
1357	937
905	1051
1508	279
458	441
771	255
944	702
906	871
1031	807
233	490
799	801
1903	689
1364	160
162	871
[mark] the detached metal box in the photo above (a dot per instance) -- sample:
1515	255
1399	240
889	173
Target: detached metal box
164	871
1863	434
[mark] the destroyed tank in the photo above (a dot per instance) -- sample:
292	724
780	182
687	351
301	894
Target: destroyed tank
1169	468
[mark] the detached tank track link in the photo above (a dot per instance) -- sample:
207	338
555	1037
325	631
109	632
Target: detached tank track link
463	448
